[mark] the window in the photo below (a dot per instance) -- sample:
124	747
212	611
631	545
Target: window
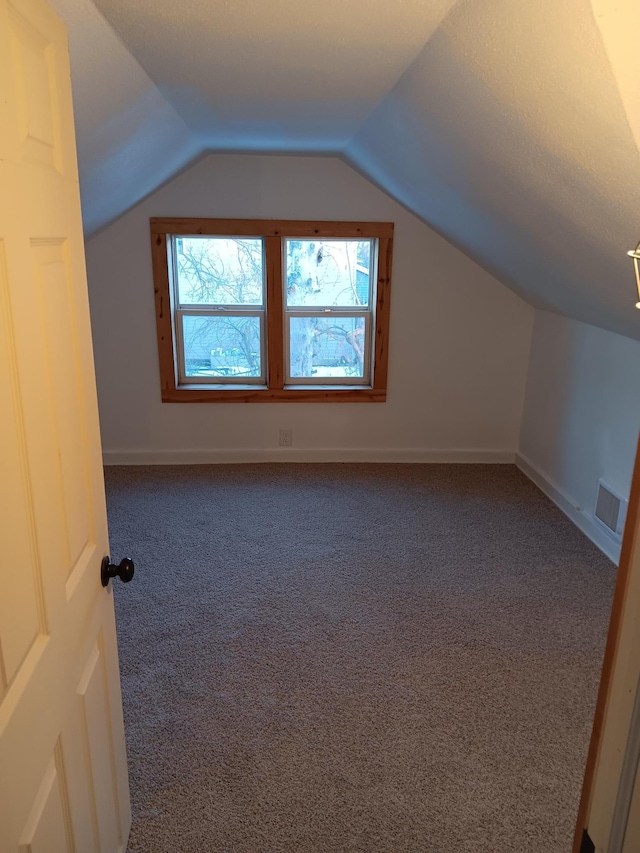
263	310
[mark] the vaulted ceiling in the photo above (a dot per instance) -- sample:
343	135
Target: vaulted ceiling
513	129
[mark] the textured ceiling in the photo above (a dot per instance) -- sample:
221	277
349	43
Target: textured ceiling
509	135
284	74
511	128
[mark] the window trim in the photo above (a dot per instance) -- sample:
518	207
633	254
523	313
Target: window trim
273	232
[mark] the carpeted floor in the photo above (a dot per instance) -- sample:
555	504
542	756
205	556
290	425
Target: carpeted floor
378	658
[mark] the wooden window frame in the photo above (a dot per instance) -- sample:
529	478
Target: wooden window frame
274	233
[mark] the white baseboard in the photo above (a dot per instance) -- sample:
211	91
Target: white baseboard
293	454
607	544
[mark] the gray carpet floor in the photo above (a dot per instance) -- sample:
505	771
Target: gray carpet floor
379	658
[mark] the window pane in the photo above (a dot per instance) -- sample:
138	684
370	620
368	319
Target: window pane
327	346
328	272
219	271
222	346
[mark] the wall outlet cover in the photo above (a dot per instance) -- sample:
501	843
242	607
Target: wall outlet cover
286	437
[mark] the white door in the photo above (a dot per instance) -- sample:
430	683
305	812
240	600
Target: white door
63	776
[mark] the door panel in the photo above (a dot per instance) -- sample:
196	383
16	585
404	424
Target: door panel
63	390
47	829
63	777
35	86
92	691
21	620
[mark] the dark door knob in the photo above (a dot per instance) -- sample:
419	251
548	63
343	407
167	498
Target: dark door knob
124	570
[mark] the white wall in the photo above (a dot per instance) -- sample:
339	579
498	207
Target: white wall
581	415
459	340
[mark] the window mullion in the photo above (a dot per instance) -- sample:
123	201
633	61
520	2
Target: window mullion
275	320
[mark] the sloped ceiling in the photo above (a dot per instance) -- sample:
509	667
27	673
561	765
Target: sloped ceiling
511	128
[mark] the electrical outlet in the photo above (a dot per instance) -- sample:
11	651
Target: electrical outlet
286	437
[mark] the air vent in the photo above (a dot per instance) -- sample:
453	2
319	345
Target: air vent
611	509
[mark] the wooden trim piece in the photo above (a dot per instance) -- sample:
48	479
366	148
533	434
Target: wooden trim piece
611	651
267	395
381	343
164	322
270	228
275	320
